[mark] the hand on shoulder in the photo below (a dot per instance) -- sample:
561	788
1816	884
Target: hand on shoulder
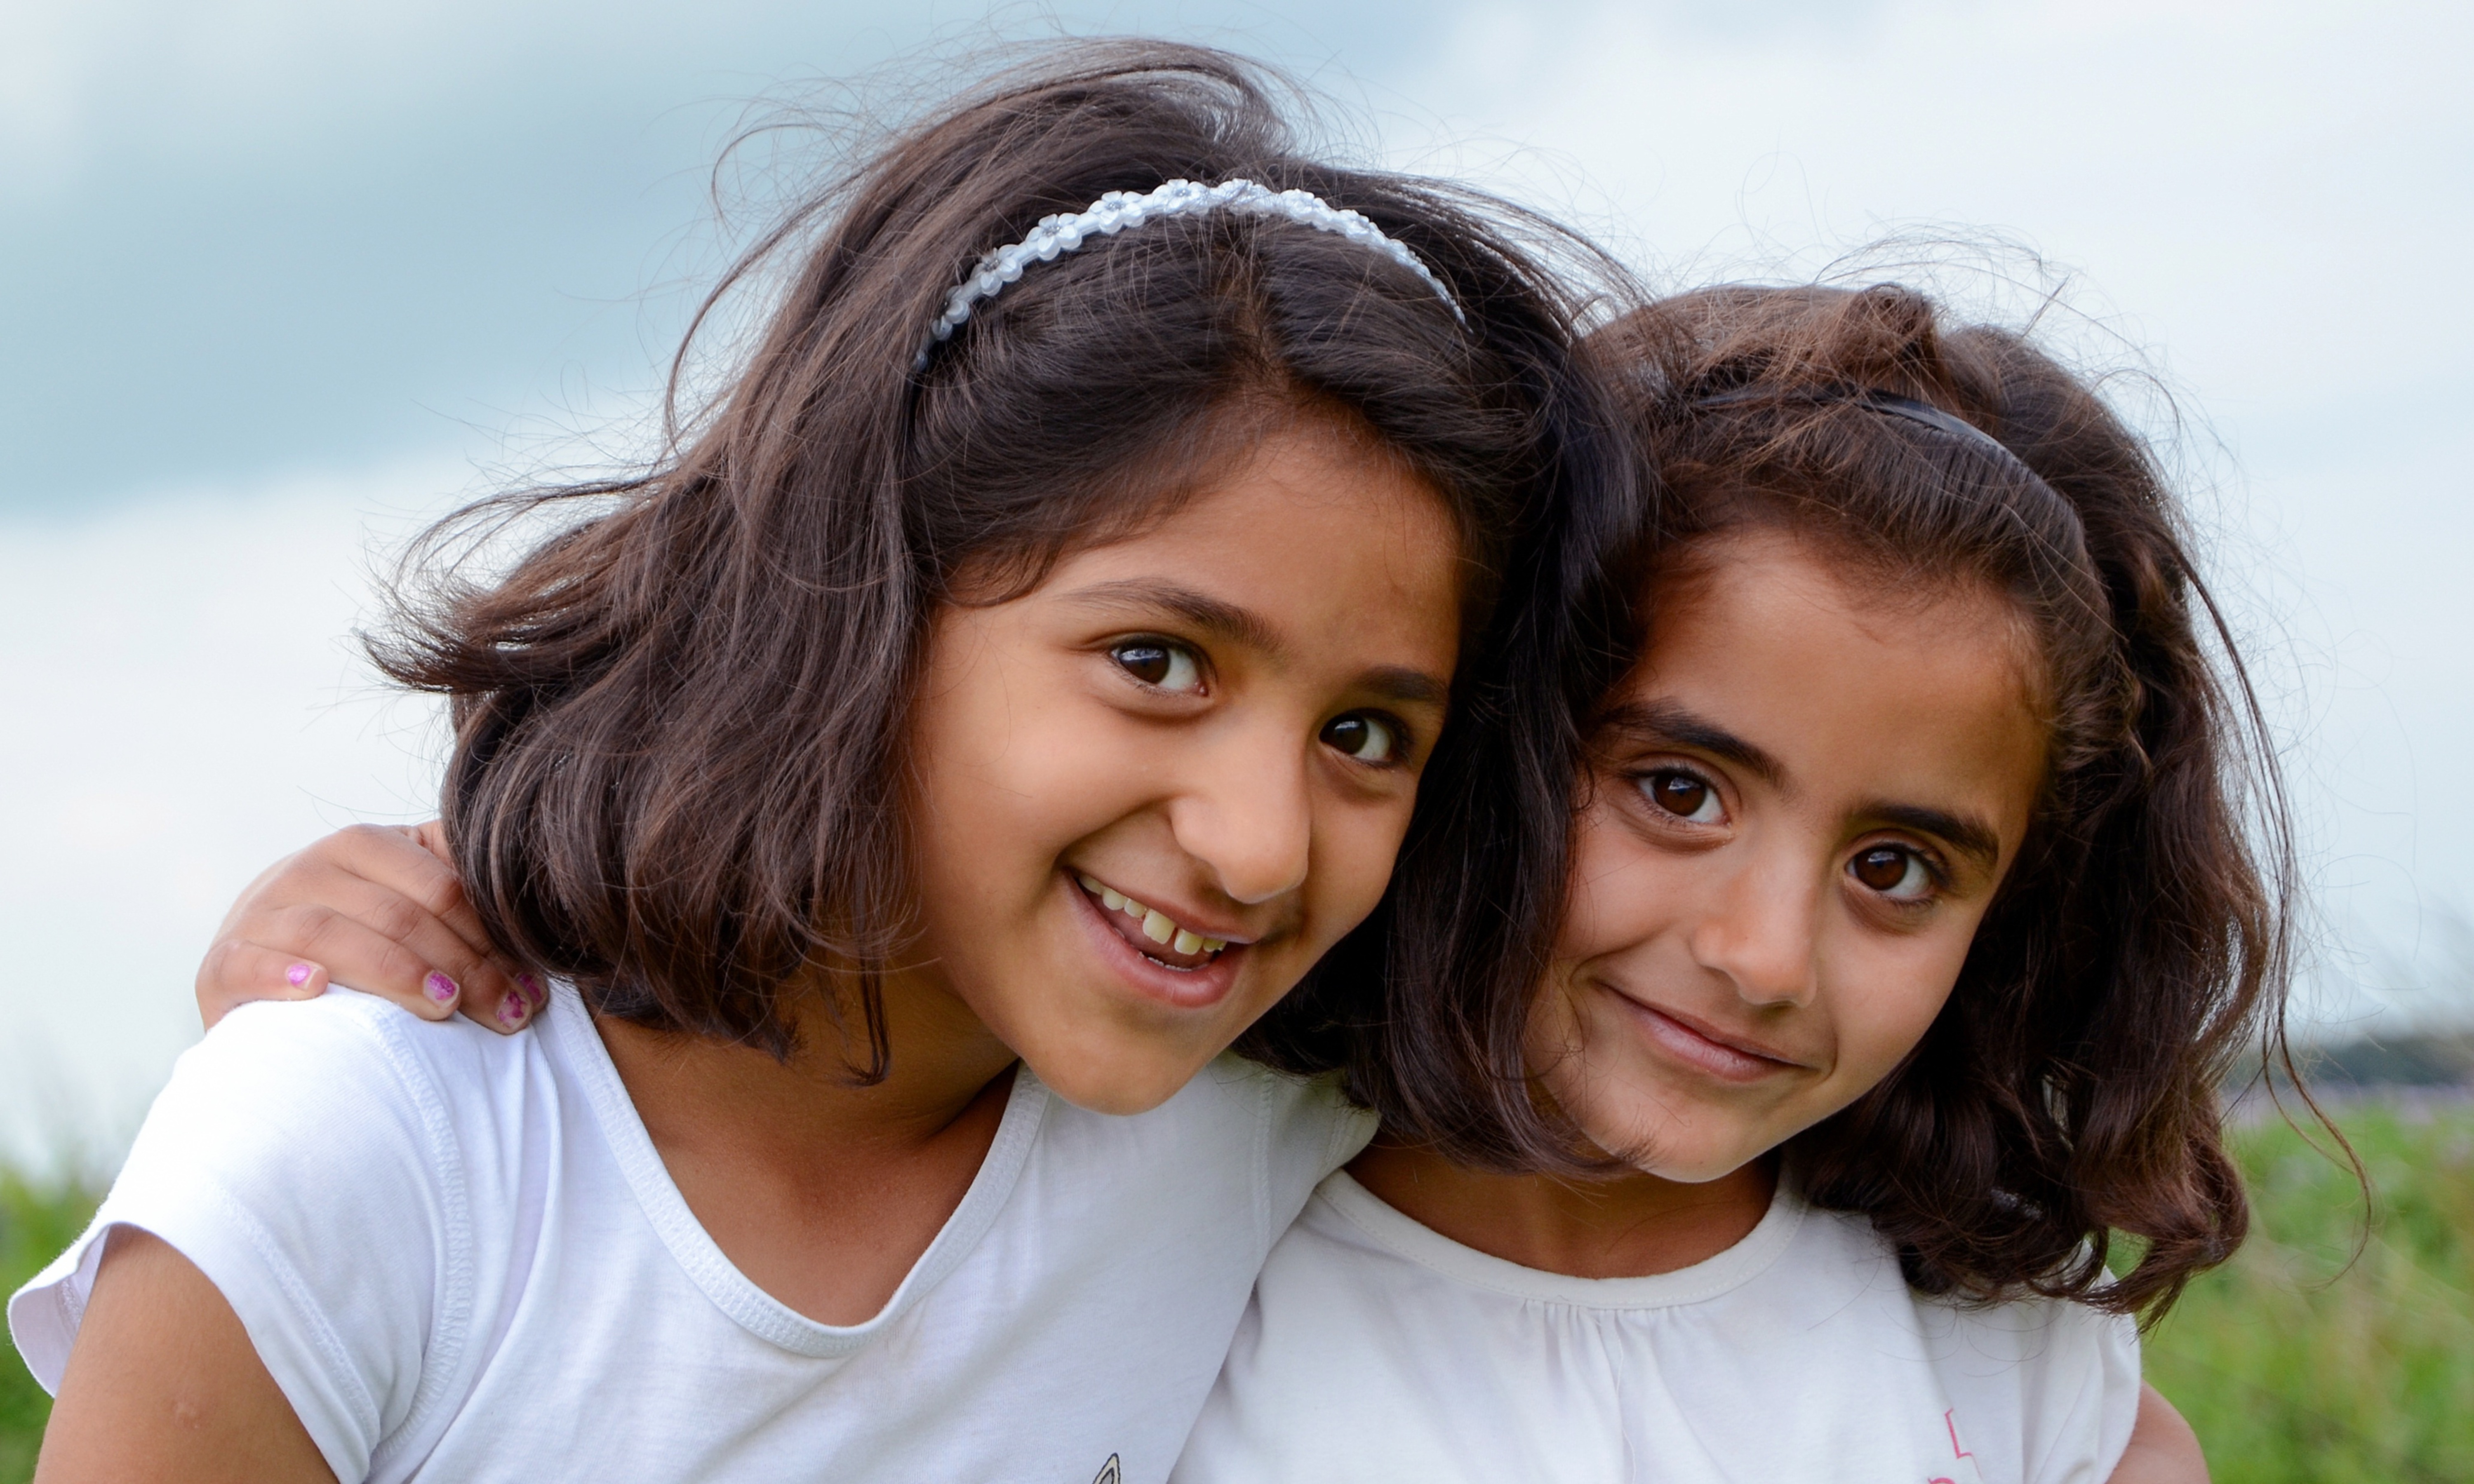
373	907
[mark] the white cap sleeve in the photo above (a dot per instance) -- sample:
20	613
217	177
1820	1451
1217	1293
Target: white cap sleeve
300	1158
2077	1424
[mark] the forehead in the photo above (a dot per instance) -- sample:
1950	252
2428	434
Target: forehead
1857	687
1315	528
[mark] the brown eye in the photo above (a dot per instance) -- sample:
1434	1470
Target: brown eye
1893	870
1368	739
1155	663
1685	796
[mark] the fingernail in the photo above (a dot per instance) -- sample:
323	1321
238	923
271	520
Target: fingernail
512	1013
441	988
298	974
532	987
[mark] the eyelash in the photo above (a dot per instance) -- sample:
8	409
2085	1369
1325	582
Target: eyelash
1643	780
1403	740
1173	650
1936	874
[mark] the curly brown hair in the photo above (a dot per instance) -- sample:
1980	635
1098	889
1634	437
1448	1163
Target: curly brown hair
2068	1093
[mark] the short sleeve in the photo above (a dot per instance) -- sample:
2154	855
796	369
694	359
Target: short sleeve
1310	1128
299	1157
2077	1421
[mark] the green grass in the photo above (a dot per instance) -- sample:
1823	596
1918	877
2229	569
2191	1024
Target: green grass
2298	1361
36	1223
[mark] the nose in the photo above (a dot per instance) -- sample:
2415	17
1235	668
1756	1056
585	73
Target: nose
1760	932
1248	816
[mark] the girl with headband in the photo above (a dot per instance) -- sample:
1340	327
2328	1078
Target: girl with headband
1008	689
1914	919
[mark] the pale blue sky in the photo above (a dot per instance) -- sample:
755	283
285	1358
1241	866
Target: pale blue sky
278	276
248	238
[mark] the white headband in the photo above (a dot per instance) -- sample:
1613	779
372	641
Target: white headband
1118	210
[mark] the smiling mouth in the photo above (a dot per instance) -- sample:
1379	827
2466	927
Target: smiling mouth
1722	1058
1151	932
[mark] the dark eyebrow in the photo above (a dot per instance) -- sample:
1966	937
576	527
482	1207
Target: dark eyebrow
1668	724
1222	619
1966	835
1407	687
1214	616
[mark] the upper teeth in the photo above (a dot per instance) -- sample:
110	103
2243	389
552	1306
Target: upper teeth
1157	925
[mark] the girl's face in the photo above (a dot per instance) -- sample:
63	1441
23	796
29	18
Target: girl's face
1150	793
1802	805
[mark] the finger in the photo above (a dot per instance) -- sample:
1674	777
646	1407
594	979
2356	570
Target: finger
412	860
238	972
401	965
432	835
482	983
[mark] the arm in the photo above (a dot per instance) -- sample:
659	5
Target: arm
164	1385
375	908
2163	1448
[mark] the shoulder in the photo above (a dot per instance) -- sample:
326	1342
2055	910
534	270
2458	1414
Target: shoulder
337	1123
316	1160
335	1081
339	1037
1238	1132
1305	1122
1241	1109
2055	1380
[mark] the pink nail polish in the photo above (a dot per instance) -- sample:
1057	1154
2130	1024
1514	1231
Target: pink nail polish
298	975
512	1013
441	988
532	987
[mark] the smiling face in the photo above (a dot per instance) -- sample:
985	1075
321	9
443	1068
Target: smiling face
1802	802
1150	793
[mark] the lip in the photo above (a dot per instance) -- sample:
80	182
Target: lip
1193	919
1192	988
1705	1048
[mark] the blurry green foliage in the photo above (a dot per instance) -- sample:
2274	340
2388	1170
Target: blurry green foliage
36	1221
2329	1350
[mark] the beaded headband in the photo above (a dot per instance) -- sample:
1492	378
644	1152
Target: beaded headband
1118	210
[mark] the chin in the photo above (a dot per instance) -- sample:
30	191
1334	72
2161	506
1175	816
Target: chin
1696	1171
1102	1079
1665	1147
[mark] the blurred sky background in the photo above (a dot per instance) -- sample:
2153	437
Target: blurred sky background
280	279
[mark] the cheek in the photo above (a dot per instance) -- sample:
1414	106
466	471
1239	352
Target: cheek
1881	1015
1004	766
1354	854
1620	893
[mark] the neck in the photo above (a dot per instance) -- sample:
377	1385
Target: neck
823	1190
1624	1226
814	1102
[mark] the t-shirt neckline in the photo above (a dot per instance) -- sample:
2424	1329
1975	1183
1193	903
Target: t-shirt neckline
569	1028
1411	1240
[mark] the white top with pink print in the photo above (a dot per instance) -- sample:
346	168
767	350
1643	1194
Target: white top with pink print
1379	1349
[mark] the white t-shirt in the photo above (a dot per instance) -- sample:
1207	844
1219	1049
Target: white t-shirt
461	1259
1379	1349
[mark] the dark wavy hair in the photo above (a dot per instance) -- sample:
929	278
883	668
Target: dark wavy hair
2069	1090
679	718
